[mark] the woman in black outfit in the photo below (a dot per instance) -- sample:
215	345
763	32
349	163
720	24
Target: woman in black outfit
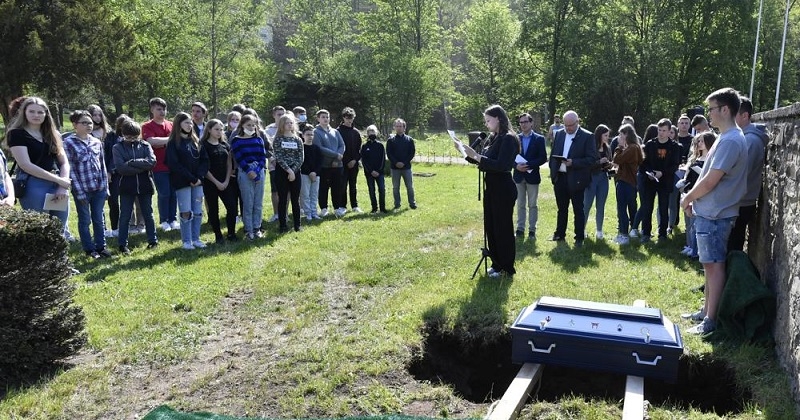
219	184
496	161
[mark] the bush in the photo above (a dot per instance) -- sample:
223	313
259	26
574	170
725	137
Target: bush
39	324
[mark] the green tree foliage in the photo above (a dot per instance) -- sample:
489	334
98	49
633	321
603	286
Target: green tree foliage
389	58
44	49
491	72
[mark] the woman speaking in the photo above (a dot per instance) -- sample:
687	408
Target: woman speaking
496	161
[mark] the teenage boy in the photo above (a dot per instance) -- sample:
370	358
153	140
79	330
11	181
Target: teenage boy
684	139
373	157
714	201
352	155
156	131
89	183
400	150
331	145
756	139
199	113
662	156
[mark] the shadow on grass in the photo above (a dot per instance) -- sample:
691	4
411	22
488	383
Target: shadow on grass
572	258
458	352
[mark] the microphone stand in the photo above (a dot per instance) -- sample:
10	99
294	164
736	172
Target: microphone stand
478	144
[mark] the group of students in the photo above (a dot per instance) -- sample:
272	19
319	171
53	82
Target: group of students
187	160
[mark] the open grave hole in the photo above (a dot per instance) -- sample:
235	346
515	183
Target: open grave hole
482	372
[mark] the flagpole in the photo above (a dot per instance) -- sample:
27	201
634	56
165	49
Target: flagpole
755	52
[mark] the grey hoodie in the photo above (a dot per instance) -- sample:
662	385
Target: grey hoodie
756	139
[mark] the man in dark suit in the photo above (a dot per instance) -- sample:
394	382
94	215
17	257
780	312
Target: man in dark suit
571	158
527	177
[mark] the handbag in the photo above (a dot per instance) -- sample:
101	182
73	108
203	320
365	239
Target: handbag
20	181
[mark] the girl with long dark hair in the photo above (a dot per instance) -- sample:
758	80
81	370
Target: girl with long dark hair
496	161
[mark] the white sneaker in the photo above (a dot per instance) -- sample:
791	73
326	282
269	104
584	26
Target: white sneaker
166	227
115	233
309	217
317	217
357	210
188	245
199	244
108	234
340	211
622	240
273	218
258	234
599	234
633	233
175	225
324	212
238	220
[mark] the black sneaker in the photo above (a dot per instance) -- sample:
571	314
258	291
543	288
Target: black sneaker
104	253
93	254
124	250
152	245
531	235
519	234
232	238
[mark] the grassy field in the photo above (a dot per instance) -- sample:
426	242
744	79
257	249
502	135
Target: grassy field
326	322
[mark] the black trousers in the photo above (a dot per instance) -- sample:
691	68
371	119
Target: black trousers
113	201
230	199
499	196
350	179
564	196
288	189
330	179
739	231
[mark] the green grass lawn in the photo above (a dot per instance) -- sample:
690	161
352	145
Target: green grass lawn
324	322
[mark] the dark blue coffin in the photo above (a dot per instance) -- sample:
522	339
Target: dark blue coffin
599	336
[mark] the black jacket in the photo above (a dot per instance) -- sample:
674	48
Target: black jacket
400	149
133	161
583	154
373	157
536	155
186	163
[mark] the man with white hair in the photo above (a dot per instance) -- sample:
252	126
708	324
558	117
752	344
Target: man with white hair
571	158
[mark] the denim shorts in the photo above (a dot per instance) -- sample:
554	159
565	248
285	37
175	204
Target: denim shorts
712	238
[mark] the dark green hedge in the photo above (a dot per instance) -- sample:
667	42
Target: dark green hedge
39	324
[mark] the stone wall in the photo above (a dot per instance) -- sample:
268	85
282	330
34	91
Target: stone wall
774	241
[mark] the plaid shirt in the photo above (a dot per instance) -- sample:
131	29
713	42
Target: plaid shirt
87	165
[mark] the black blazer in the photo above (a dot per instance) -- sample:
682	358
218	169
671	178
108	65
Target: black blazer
583	154
536	155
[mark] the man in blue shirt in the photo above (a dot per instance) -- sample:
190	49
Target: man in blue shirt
527	177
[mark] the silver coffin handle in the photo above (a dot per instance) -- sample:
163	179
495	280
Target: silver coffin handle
640	362
547	351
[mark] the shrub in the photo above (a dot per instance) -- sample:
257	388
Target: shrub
39	324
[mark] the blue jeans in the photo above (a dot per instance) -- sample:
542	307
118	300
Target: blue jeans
252	201
90	212
126	212
712	238
309	195
190	205
691	234
34	198
167	202
674	201
626	206
407	179
598	187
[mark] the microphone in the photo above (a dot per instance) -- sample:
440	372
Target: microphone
478	139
